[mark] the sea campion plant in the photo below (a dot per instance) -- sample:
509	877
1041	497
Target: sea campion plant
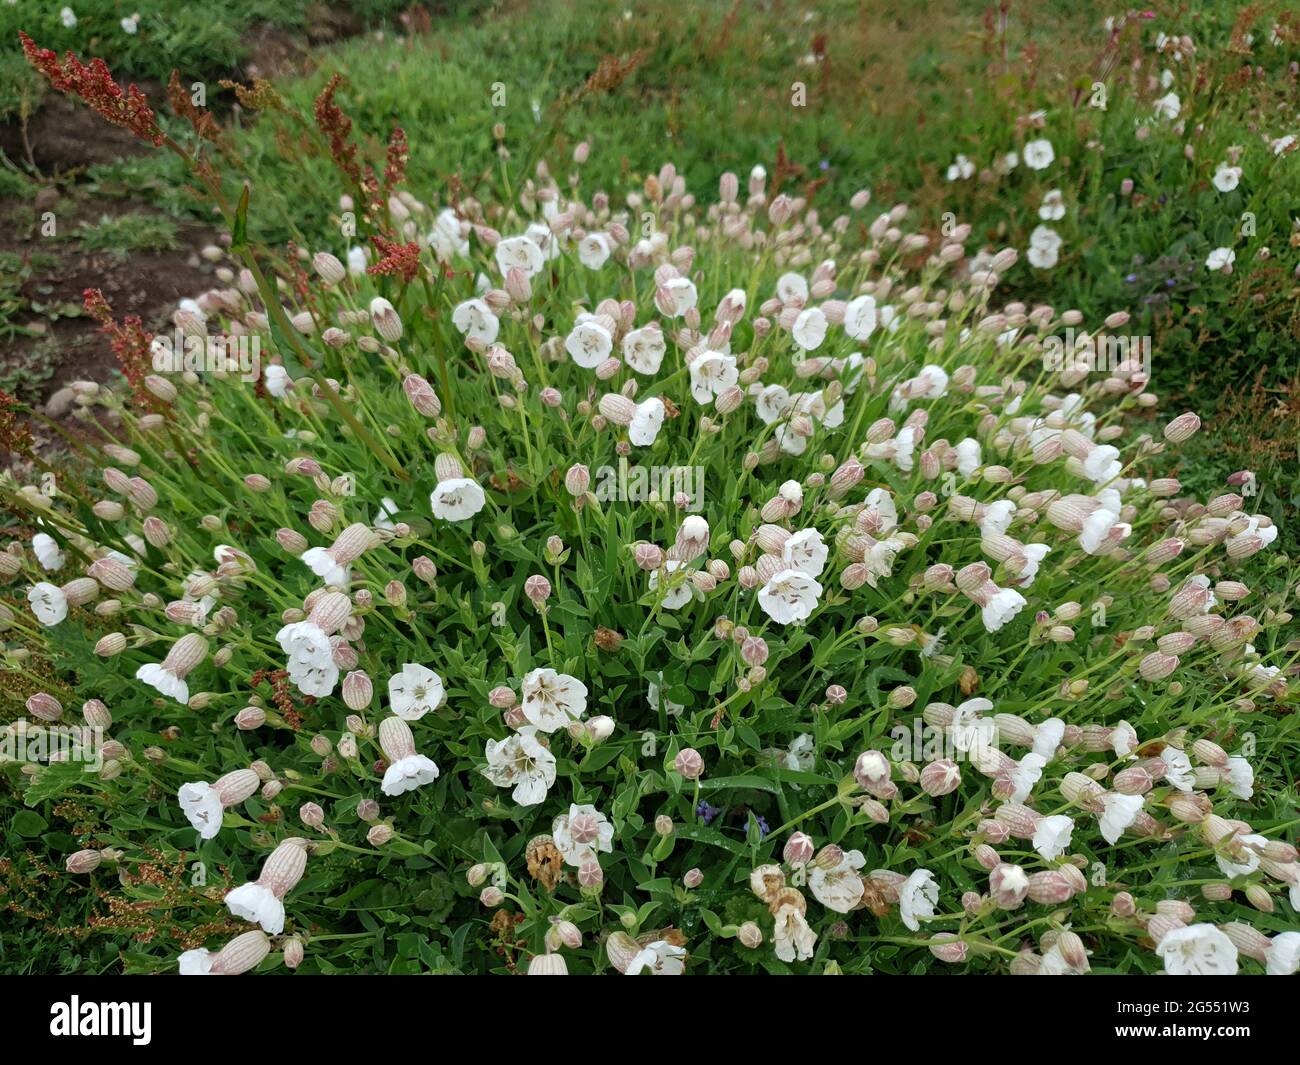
409	659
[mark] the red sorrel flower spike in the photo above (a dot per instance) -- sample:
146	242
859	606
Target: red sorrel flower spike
15	435
398	154
332	122
129	339
94	85
399	260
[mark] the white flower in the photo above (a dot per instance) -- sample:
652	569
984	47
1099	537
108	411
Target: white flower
809	329
791	936
1283	957
519	253
643	349
904	445
321	563
445	238
961	169
542	235
712	372
197	962
1198	950
1052	836
1178	769
792	288
860	317
278	381
522	762
1282	143
257	903
882	504
1245	847
1027	773
1118	812
357	261
316	678
647	421
589	344
969	729
1004	606
164	681
658	698
475	320
1227	177
305	643
1044	247
997	518
1095	537
1052	209
789	596
409	773
660	958
551	700
130	24
47	552
1220	259
917	896
68	17
593	250
201	805
1048	735
388	509
1038	154
456	499
839	888
1168	106
49	604
682	292
581	834
969	457
772	403
801	755
806	552
1102	464
1034	555
1240	777
415	691
679	594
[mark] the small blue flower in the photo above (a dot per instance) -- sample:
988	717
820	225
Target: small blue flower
705	812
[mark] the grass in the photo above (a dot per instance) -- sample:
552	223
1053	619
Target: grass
831	99
128	233
204	41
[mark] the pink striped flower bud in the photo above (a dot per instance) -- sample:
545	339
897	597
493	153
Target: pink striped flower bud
1182	428
44	707
421	396
384	317
577	480
358	691
250	718
84	861
940	778
396	739
1157	666
689	763
538	589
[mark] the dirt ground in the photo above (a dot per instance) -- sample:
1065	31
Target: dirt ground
49	340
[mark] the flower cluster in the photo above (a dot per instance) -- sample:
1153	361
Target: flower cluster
936	650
